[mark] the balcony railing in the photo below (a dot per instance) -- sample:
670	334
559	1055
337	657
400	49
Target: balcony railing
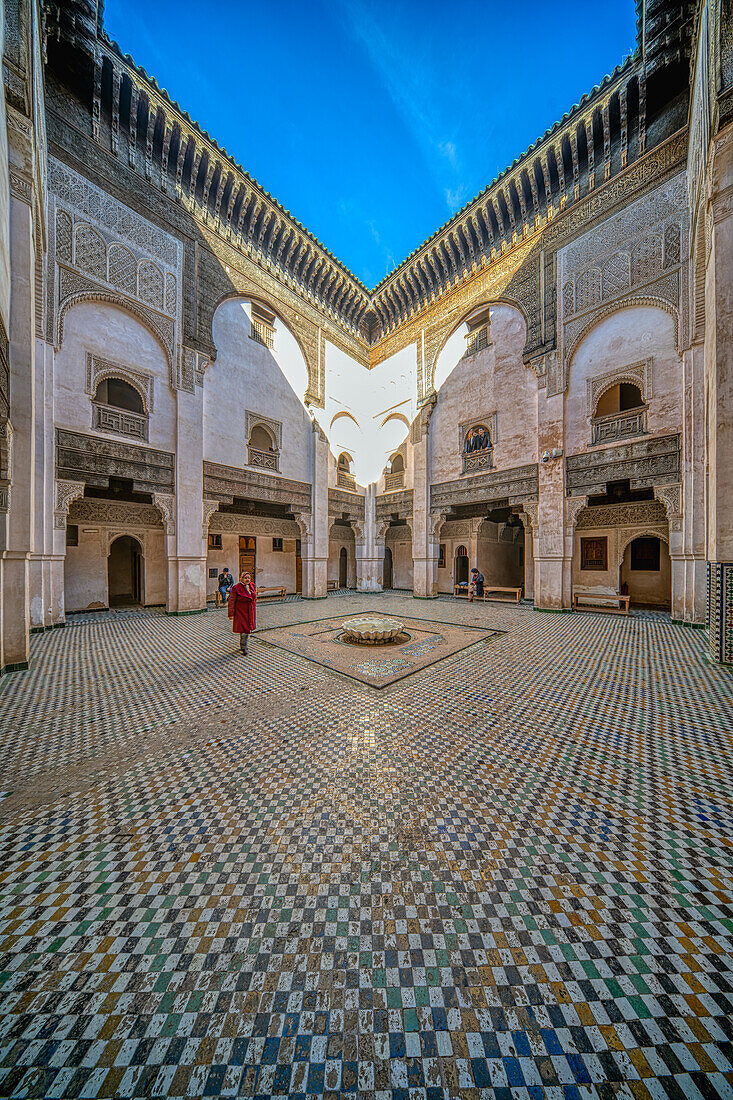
266	460
623	425
392	482
478	460
345	480
262	333
108	418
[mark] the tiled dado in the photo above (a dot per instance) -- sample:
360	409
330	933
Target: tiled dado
506	877
720	611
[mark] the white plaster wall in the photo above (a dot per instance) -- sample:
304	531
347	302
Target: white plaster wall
247	375
493	380
113	334
85	568
4	203
623	339
371	397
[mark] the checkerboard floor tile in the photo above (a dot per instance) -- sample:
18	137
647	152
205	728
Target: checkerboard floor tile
508	876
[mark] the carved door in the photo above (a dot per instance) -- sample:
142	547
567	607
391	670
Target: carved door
248	555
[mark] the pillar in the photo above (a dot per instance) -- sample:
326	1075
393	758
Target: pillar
185	548
526	518
693	603
315	526
719	388
425	528
552	546
369	560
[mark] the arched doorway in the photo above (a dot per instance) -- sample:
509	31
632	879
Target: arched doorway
645	573
343	568
460	572
387	570
125	572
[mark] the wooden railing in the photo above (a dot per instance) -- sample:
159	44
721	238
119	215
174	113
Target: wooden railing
477	461
345	480
392	482
266	460
108	418
621	425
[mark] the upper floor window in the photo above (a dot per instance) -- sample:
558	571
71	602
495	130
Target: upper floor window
263	325
477	337
394	475
619	414
344	477
477	448
118	407
262	448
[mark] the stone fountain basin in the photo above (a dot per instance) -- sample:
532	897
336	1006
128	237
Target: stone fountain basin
372	629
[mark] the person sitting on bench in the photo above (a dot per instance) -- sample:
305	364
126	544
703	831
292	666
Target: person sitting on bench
476	587
225	582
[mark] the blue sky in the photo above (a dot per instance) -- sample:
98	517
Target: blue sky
374	122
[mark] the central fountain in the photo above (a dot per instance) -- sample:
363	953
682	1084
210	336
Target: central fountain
372	630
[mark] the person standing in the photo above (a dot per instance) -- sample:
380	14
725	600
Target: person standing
477	584
242	609
225	581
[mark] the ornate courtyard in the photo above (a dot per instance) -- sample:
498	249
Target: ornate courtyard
505	874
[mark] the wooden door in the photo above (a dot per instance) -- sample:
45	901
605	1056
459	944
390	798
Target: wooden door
248	555
298	568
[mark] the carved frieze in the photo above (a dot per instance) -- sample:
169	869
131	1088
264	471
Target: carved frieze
254	525
389	504
643	513
226	482
350	504
516	485
114	513
86	458
644	462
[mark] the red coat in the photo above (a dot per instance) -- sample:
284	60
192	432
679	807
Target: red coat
241	608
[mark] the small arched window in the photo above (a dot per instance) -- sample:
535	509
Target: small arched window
344	463
619	414
344	477
477	438
119	394
396	464
118	407
262	448
261	439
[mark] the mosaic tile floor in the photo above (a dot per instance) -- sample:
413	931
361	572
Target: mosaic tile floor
508	877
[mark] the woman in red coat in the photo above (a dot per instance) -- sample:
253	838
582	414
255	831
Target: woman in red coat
241	609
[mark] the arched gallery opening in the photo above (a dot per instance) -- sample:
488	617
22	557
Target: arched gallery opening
125	566
343	567
387	568
645	573
461	566
341	555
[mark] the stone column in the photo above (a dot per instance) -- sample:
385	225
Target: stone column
315	526
693	485
573	507
43	577
719	388
424	530
550	542
20	521
671	497
181	517
369	562
64	492
526	517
